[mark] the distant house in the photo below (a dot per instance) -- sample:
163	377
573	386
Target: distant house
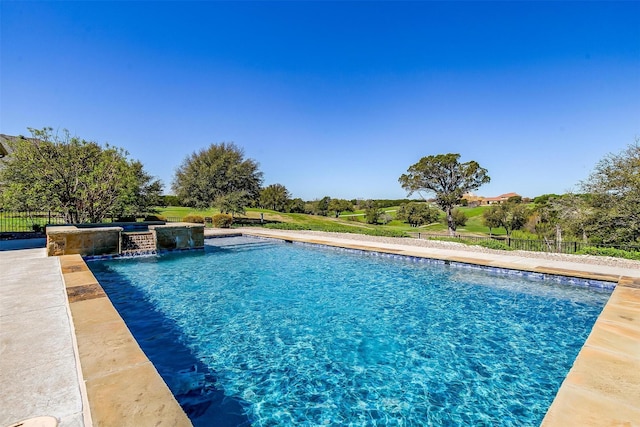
475	200
500	199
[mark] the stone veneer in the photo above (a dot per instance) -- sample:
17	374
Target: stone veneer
106	240
178	236
71	240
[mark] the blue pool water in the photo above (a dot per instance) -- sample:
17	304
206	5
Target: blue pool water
265	333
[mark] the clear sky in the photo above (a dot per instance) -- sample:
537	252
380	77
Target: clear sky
333	98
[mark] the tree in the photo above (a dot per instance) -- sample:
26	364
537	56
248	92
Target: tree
372	211
218	176
340	205
233	203
321	207
296	205
459	217
275	196
417	214
571	212
447	178
83	180
512	216
614	197
491	217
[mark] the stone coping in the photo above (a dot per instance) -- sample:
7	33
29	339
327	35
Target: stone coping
123	386
72	229
176	225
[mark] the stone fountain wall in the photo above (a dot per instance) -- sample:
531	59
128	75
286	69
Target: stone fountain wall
71	240
107	240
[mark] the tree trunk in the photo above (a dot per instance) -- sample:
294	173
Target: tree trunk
450	222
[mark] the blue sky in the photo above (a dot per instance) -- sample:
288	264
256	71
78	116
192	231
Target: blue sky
333	98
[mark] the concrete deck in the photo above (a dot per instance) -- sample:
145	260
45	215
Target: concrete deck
39	371
56	320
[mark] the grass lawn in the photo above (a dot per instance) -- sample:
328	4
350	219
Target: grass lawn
347	222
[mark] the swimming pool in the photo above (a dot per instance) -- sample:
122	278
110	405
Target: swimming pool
260	332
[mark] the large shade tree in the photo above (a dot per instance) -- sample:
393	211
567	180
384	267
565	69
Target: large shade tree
218	176
83	180
445	177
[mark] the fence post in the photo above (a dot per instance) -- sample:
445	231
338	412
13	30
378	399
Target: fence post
418	234
509	241
575	247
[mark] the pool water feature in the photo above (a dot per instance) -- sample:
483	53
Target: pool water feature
265	333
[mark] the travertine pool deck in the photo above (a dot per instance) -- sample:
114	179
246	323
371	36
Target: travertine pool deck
55	322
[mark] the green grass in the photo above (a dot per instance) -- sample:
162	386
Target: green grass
346	223
181	212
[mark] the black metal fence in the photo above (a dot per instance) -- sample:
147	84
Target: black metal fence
565	247
35	221
27	221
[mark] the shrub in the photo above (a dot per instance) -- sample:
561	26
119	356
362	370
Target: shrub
489	244
459	217
126	219
155	218
493	244
612	252
197	219
222	220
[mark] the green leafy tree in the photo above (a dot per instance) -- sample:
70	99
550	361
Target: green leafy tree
514	199
445	177
321	207
459	217
275	197
491	217
339	205
417	214
373	214
296	205
233	203
613	214
576	214
170	200
83	180
218	176
512	216
372	211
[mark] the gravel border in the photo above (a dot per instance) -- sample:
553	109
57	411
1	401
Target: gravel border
588	259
